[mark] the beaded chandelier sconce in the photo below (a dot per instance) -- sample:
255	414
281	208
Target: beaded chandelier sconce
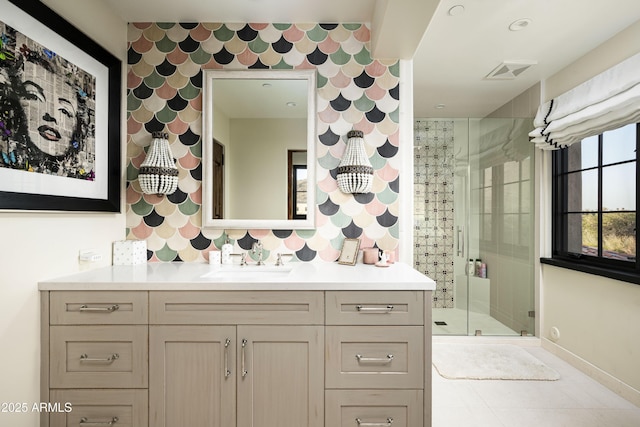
158	172
355	173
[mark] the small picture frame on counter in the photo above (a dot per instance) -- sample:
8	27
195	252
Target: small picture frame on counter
349	252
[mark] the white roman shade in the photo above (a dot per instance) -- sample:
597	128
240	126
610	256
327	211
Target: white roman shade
607	101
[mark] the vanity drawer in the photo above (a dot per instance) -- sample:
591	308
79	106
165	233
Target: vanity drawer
373	408
237	308
98	356
124	408
375	308
389	357
98	307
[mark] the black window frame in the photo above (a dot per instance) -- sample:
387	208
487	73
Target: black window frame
628	271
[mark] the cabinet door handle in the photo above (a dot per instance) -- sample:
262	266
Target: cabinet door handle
108	359
382	360
85	422
363	309
242	358
85	308
382	424
227	371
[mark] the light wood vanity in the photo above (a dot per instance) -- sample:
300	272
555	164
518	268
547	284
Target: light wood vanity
328	345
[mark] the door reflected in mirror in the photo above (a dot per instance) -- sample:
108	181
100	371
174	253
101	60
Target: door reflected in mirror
262	173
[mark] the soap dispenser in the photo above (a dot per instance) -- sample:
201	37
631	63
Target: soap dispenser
227	250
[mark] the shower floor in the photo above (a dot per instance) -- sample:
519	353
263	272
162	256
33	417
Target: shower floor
456	323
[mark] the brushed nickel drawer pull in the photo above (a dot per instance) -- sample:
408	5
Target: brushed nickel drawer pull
242	359
363	309
84	421
85	308
382	360
109	359
382	424
227	371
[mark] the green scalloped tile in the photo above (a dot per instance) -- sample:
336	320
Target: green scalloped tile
254	257
387	196
189	91
377	161
224	34
166	254
395	69
282	26
328	161
340	57
306	234
154	80
340	219
352	27
133	103
141	207
188	207
317	34
222	240
321	196
166	45
196	149
336	242
364	104
199	56
165	25
132	172
321	81
363	57
395	115
166	115
282	65
258	45
394	230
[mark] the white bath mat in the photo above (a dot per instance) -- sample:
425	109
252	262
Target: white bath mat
489	362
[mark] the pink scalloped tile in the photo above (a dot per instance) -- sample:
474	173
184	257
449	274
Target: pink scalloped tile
137	161
365	126
259	234
133	127
166	91
189	231
394	138
306	65
362	34
340	80
293	34
375	208
329	115
132	196
177	126
153	199
189	161
387	173
177	56
142	231
196	196
247	57
258	25
329	46
376	69
142	45
142	25
294	242
212	65
329	254
328	185
133	81
196	103
375	92
200	33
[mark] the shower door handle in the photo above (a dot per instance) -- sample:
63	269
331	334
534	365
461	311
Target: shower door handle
460	234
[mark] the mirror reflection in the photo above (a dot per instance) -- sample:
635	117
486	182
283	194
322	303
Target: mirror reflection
259	133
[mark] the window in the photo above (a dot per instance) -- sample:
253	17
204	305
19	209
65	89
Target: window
595	186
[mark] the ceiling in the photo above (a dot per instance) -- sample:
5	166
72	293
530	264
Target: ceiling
452	54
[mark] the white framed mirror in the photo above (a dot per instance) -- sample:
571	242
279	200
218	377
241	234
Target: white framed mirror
253	120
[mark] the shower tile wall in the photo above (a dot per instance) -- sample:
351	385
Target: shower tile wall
433	204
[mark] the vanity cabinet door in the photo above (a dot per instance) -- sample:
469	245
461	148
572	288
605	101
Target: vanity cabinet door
192	376
281	376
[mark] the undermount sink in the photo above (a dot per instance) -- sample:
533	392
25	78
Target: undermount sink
250	271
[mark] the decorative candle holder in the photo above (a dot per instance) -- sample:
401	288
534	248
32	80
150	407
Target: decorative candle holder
355	173
158	172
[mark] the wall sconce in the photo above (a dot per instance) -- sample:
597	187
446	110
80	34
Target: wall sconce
158	172
355	173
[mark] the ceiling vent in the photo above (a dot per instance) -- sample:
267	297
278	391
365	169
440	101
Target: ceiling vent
509	70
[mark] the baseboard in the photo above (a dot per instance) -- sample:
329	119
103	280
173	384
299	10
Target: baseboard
604	378
487	339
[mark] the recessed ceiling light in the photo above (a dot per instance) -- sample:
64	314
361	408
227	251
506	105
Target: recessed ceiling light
266	84
439	106
519	24
456	10
291	104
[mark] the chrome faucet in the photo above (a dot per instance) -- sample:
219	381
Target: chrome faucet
257	249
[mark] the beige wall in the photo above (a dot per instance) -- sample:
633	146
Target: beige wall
38	246
597	318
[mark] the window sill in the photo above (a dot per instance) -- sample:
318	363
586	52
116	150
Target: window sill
623	276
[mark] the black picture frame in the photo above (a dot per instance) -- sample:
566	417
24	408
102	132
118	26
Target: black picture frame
106	193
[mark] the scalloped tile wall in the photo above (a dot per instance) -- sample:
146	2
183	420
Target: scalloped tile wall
164	81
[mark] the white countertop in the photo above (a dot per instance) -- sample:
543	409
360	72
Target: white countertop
295	276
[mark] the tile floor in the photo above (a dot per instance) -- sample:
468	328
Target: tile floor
575	400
